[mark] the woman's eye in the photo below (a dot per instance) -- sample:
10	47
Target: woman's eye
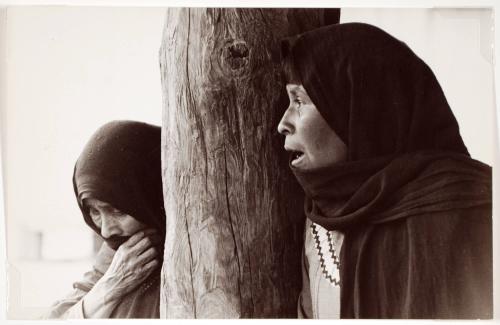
96	217
116	212
297	104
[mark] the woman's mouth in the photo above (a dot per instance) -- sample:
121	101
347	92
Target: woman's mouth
296	157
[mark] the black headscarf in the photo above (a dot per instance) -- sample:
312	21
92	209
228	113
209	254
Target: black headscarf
414	207
121	165
377	95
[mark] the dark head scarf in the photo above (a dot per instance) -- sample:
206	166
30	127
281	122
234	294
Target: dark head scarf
386	105
121	165
415	209
377	95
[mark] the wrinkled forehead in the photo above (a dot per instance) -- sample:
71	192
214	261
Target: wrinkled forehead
296	90
91	202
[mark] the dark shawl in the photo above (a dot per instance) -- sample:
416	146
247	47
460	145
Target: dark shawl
415	209
121	165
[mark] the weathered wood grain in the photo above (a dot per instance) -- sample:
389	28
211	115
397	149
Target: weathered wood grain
234	211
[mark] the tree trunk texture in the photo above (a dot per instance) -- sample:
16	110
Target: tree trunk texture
234	210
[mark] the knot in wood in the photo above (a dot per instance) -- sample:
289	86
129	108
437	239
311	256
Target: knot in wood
236	55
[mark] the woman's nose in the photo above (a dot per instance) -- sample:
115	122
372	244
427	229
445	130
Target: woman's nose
285	126
109	227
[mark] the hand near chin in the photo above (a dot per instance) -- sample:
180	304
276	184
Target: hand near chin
132	263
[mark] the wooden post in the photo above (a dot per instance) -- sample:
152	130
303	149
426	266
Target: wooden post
234	211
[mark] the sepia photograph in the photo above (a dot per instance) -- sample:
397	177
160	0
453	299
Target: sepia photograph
203	162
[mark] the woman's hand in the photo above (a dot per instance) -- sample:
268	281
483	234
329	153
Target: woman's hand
132	263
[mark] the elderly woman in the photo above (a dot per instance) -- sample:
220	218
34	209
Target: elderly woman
117	183
399	214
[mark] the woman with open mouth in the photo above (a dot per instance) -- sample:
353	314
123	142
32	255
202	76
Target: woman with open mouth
398	213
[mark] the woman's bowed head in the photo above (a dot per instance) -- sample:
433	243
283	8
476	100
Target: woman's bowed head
117	182
118	187
378	152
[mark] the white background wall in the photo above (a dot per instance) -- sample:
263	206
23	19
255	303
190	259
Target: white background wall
68	70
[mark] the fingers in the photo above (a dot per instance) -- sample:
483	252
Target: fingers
145	243
135	238
151	265
148	255
150	231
